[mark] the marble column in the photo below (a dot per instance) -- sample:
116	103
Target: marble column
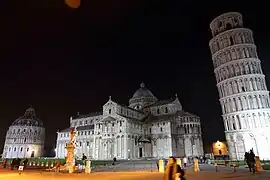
125	146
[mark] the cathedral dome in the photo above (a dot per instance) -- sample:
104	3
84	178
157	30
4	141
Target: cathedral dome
142	96
29	119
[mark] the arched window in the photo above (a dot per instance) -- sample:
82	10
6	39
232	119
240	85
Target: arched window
228	26
157	111
166	110
220	24
234	128
231	41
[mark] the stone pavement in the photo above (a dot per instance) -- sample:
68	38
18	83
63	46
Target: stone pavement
207	173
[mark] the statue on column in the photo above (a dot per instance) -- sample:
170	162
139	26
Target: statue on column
70	157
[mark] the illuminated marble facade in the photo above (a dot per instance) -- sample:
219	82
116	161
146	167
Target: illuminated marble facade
146	128
25	137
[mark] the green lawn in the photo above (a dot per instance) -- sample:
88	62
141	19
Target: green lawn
45	162
266	166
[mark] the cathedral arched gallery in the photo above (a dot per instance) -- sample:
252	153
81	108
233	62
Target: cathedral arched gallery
148	127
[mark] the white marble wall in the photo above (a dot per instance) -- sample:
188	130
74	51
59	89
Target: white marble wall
22	141
239	143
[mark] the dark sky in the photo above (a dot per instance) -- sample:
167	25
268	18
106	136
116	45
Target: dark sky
62	60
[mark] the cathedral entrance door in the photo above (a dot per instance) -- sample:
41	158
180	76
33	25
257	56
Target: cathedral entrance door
32	154
140	152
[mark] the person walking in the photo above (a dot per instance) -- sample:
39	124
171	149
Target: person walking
173	170
251	161
185	162
247	160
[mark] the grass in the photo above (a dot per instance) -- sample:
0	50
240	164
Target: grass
44	162
266	166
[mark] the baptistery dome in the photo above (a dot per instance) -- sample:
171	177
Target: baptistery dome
142	97
25	137
28	119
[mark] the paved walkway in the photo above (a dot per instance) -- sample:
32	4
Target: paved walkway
207	173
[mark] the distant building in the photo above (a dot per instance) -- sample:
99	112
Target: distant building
243	93
25	137
146	128
219	149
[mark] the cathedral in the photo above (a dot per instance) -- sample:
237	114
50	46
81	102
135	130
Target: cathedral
25	137
147	128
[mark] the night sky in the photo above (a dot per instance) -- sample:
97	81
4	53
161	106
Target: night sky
63	61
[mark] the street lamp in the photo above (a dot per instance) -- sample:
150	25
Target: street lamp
128	154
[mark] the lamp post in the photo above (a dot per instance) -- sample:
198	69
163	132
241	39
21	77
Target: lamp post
128	154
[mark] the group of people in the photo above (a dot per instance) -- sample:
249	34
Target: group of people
250	160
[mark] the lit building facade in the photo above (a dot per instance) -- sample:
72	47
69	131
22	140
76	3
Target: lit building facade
220	149
244	97
147	128
25	137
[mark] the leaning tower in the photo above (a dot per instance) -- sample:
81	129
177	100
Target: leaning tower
244	97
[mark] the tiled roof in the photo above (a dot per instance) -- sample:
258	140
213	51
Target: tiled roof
87	115
65	130
80	128
168	117
162	102
109	118
87	127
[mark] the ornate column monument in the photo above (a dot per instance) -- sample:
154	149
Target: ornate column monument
70	157
244	97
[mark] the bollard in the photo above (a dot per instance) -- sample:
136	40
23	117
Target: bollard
196	165
178	161
258	164
71	169
215	164
161	166
88	166
234	167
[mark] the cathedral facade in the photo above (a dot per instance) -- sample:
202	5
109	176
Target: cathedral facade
243	93
147	128
25	137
